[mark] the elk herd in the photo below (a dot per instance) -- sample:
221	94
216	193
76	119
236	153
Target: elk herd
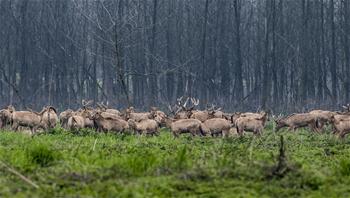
183	118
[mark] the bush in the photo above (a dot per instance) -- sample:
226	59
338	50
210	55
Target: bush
344	167
42	155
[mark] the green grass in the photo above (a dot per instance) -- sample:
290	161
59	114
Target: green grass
88	164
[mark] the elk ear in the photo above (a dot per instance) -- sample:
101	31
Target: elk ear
53	109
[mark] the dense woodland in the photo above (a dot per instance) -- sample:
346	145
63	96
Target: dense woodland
282	55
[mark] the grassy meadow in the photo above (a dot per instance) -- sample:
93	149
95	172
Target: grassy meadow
88	164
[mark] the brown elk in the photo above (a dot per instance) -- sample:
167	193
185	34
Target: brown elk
108	124
6	116
158	116
49	118
216	126
131	114
147	127
180	126
296	121
323	117
64	116
34	120
253	124
207	114
341	125
81	118
104	108
181	110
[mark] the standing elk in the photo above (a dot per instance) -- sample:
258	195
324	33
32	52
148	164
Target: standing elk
158	116
341	125
81	118
34	120
131	114
253	124
49	118
217	126
64	116
178	127
104	108
207	114
108	124
296	121
147	127
323	117
181	110
6	116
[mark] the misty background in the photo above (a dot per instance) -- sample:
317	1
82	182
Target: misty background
283	55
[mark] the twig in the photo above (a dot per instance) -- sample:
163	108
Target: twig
93	148
24	178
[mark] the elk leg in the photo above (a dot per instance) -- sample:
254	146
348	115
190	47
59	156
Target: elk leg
15	126
225	133
240	132
342	134
175	134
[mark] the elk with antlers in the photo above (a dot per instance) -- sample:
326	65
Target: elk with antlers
181	110
104	108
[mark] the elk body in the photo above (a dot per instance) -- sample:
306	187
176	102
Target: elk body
250	114
80	119
137	117
201	115
109	124
64	116
253	124
25	119
104	108
181	110
216	126
323	117
5	117
147	127
296	121
341	126
205	115
159	117
178	127
49	118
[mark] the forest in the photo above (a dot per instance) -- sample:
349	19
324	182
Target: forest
280	55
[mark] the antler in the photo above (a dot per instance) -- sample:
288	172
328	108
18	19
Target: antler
346	107
105	106
195	101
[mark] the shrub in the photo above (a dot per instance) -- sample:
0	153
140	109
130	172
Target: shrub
42	155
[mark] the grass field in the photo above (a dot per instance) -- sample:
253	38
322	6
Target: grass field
61	164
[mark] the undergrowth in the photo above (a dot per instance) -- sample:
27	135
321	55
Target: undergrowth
90	164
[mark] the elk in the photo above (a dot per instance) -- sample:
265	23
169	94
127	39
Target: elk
5	116
147	127
181	111
323	117
81	118
49	118
104	108
296	121
250	114
109	124
216	126
64	116
131	114
158	116
207	114
341	124
178	127
33	120
251	123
